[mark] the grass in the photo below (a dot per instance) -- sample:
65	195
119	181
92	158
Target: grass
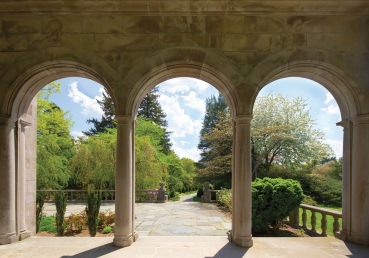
187	193
47	224
175	198
196	199
318	215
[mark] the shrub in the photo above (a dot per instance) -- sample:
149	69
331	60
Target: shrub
106	230
106	218
272	201
92	211
309	201
47	224
225	199
327	191
61	205
40	200
200	193
76	222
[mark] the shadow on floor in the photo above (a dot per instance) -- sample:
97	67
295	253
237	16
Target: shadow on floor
98	251
230	250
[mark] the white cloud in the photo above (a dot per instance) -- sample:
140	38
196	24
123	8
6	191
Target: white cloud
183	143
192	101
182	85
89	105
326	129
333	107
179	123
337	146
192	153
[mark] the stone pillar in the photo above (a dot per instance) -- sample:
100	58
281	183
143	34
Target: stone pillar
207	194
346	178
241	183
359	213
7	182
21	182
161	194
124	185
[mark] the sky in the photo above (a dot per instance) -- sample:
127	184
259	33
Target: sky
183	101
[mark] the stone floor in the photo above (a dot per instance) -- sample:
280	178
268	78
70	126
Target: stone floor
182	218
181	247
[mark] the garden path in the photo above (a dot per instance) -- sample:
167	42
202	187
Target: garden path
181	218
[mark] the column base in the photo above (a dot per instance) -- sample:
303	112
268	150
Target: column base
242	241
24	234
123	241
135	236
358	239
8	238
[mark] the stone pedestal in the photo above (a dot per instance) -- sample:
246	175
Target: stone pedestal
7	182
161	194
359	214
207	194
124	184
241	183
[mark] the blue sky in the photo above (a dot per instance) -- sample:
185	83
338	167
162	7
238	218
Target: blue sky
183	100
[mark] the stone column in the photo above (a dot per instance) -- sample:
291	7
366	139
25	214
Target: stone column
7	182
241	183
346	178
359	213
21	181
124	187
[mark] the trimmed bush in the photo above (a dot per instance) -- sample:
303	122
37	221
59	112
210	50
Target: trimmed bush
200	193
40	200
61	205
272	201
225	199
92	211
327	191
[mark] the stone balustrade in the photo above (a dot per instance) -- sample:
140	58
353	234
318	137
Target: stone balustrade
157	195
208	193
294	220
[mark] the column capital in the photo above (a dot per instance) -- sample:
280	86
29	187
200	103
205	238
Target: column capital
7	120
24	123
123	120
344	123
360	120
243	120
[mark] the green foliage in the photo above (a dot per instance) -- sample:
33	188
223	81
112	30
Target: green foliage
94	156
54	144
196	199
200	193
330	169
61	205
225	199
176	198
327	191
47	224
92	211
309	201
40	200
272	201
107	230
106	218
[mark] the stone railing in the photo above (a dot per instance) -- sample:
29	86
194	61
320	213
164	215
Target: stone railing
157	195
208	193
294	220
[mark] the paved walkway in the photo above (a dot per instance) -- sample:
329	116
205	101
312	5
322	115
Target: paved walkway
182	218
181	247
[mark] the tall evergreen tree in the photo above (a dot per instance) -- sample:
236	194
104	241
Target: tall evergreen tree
107	119
216	107
149	109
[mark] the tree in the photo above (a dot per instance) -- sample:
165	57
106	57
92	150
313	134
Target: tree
149	109
215	107
107	119
54	144
282	130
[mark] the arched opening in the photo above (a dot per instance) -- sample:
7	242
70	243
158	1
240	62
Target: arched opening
21	107
295	136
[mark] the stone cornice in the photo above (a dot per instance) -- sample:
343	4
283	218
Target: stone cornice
171	7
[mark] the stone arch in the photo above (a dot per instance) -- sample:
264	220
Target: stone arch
34	79
194	63
339	84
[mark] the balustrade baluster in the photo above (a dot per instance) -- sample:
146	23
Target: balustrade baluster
313	222
324	224
304	219
336	225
